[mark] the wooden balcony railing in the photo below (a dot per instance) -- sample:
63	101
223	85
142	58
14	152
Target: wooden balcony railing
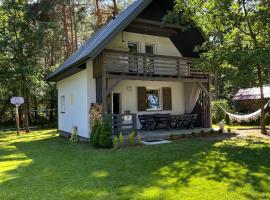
139	64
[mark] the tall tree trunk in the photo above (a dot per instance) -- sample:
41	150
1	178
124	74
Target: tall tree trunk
216	86
26	114
259	69
99	15
36	109
71	28
262	121
75	28
66	37
115	7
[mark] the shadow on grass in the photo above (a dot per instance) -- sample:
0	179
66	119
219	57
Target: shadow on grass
51	167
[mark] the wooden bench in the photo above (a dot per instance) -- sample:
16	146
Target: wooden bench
184	121
163	120
158	121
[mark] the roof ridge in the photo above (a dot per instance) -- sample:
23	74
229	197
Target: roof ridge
96	43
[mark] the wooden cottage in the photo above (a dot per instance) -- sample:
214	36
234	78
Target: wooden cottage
248	100
136	67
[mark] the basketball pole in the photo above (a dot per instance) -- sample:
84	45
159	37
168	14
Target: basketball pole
17	120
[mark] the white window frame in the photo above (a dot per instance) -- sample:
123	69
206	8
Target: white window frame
62	104
138	45
159	100
154	48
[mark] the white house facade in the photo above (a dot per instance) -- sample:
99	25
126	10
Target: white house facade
133	66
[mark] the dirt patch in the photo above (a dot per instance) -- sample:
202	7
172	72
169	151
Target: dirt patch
251	133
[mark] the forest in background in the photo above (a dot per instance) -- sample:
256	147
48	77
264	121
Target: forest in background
35	38
38	35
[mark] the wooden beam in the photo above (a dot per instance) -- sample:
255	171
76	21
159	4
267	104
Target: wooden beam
203	88
150	28
158	23
112	86
104	96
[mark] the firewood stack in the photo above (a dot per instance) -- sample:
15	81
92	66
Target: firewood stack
96	113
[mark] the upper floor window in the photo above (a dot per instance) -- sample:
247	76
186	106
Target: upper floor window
150	49
149	62
133	59
133	47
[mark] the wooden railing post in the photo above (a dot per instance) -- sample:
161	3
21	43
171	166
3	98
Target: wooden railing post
178	67
134	122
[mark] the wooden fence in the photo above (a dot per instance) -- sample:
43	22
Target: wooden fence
122	123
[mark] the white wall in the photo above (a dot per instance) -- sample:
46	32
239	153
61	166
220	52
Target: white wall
79	91
163	45
129	97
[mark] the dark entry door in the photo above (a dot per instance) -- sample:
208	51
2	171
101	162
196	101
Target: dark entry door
116	103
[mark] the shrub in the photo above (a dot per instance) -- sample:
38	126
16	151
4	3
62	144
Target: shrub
105	138
212	132
217	113
193	134
115	142
139	140
74	135
202	133
183	135
131	138
121	139
220	131
97	134
267	119
229	130
93	131
171	137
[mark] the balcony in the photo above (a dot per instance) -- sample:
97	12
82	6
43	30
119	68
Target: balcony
125	65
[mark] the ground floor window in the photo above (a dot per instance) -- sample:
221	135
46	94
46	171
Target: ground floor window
153	99
63	104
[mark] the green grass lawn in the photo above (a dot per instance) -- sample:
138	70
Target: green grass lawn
236	127
41	165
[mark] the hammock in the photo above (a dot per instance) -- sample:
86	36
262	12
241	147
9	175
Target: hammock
245	118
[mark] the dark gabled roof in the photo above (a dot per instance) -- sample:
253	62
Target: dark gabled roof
185	41
92	47
251	93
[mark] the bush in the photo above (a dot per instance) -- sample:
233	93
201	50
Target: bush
218	114
183	135
193	134
229	130
202	133
139	140
93	131
105	138
171	137
212	132
131	138
115	142
220	131
121	139
267	119
97	134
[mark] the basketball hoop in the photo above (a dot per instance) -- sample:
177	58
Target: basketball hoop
17	101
